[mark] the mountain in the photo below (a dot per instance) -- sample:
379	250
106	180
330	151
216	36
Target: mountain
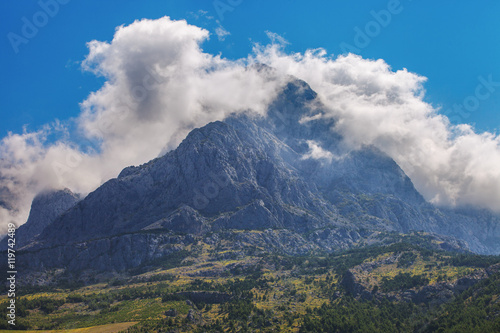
286	175
45	208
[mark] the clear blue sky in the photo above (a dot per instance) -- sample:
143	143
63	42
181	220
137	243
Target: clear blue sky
450	42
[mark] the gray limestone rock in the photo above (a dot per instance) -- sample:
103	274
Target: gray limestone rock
248	172
46	207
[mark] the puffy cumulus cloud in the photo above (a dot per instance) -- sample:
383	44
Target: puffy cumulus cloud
373	105
159	86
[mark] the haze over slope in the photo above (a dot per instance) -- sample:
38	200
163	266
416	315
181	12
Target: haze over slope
160	85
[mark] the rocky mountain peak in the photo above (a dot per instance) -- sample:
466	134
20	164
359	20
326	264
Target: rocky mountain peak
252	172
45	208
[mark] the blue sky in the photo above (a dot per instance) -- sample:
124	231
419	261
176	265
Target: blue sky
451	43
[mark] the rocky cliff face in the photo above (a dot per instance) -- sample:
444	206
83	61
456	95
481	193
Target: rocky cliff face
116	253
46	207
218	178
250	173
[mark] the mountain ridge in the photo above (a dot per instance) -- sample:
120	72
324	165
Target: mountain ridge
253	172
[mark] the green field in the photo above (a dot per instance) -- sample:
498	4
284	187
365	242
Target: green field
109	328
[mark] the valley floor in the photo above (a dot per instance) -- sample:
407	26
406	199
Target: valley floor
110	328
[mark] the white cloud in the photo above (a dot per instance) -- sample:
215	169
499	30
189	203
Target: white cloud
449	165
160	85
276	40
201	14
316	152
221	32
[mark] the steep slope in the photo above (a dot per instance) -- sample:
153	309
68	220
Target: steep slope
218	178
46	207
366	186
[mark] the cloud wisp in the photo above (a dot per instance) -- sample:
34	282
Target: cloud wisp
160	85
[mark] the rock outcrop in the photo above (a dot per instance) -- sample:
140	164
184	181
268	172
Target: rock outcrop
46	207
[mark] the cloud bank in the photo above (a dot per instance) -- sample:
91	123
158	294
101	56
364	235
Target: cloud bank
373	105
160	85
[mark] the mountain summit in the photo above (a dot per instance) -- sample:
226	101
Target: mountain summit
285	175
